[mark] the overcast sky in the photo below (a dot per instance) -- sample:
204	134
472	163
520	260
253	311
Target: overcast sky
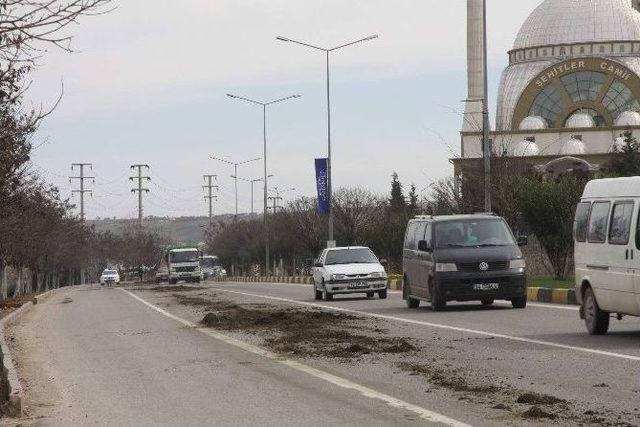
148	82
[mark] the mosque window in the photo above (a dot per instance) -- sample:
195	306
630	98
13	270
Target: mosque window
548	104
620	98
563	51
601	49
582	49
544	52
622	48
584	85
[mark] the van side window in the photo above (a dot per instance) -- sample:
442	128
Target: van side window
619	228
598	222
582	218
420	230
410	236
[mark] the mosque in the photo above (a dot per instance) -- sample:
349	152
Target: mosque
570	91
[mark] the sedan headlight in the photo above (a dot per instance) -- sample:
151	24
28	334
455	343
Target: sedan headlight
338	277
378	275
517	264
443	267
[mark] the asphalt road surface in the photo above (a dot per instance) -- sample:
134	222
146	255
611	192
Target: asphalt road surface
139	356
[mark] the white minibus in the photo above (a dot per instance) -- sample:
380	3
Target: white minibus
607	251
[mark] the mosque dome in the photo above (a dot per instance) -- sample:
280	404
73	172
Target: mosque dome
628	118
557	22
533	123
580	120
572	147
525	148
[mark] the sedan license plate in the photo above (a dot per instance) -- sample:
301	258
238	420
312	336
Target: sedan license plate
486	286
358	285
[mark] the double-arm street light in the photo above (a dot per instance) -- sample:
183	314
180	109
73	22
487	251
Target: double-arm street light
235	174
264	106
252	181
327	51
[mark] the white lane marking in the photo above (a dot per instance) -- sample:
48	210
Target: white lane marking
447	327
532	304
314	372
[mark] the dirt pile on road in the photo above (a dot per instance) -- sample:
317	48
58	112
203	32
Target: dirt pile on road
297	330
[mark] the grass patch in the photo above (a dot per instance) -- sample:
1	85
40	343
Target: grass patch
549	282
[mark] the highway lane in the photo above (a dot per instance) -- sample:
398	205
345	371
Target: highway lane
610	375
138	356
550	323
101	356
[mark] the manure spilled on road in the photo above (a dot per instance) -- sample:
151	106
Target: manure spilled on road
299	331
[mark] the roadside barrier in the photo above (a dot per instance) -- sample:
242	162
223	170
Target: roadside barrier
548	295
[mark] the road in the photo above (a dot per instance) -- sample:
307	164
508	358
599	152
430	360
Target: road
139	356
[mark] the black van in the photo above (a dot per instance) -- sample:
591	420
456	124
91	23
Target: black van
462	258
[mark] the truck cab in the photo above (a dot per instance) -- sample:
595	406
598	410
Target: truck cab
184	264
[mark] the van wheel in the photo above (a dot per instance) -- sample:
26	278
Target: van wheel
318	294
173	281
406	291
520	302
597	321
370	294
382	294
438	303
487	301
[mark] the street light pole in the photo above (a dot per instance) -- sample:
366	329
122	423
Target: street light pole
264	156
235	176
252	181
329	174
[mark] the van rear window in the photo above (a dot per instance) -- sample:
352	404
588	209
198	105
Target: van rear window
598	222
582	219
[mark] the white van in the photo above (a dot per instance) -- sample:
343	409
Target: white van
607	251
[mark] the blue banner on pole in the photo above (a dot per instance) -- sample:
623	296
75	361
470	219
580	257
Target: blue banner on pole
322	183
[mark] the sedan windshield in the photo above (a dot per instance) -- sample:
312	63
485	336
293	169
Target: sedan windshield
109	272
184	256
473	233
350	256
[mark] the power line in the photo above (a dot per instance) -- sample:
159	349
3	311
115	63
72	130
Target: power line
140	189
81	178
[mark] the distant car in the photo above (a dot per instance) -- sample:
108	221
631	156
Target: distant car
109	277
348	270
162	274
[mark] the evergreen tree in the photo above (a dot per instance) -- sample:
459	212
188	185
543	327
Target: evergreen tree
396	201
413	201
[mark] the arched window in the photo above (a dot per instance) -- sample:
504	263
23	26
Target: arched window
584	85
548	105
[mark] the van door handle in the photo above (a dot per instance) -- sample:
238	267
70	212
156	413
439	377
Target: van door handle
598	267
626	254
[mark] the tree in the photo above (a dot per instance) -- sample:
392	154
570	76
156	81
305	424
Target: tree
351	208
413	201
396	201
548	208
625	160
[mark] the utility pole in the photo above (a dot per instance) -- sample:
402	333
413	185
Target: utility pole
140	189
81	178
235	174
210	197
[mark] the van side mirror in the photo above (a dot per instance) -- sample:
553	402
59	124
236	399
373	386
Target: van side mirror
423	246
317	264
523	240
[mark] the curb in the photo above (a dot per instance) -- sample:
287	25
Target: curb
554	296
394	284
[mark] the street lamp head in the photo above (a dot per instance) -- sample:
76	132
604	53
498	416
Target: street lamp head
282	39
374	36
230	95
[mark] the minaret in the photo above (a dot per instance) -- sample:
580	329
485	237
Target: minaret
472	121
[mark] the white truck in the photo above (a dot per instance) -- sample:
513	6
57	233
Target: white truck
184	264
